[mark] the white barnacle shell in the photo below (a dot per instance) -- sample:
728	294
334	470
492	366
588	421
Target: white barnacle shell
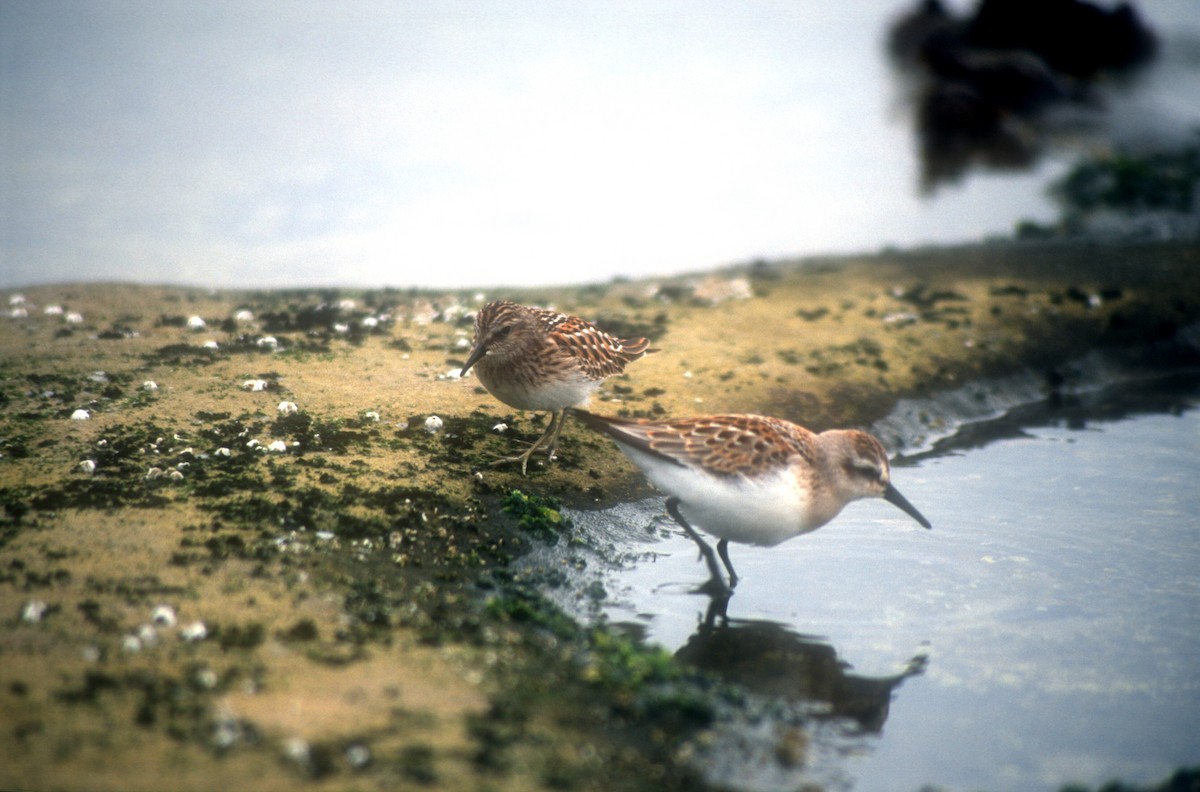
80	415
243	316
371	415
370	322
163	616
53	310
268	342
175	475
88	466
153	473
149	385
74	317
277	446
433	424
195	631
500	428
223	452
131	644
255	385
210	344
196	323
288	408
33	611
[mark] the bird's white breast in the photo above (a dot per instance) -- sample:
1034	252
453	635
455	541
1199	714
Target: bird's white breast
763	510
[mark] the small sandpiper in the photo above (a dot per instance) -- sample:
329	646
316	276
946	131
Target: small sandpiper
752	479
536	359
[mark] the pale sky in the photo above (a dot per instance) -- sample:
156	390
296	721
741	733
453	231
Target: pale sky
453	144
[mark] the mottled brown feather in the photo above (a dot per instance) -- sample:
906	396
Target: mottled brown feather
723	445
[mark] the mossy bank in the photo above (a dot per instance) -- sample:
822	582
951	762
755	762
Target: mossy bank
255	539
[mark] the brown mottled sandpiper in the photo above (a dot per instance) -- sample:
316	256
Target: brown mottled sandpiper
752	479
536	359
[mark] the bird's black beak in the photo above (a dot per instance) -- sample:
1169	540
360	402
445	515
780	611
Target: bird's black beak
893	496
476	353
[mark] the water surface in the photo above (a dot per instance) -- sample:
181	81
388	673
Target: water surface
1046	631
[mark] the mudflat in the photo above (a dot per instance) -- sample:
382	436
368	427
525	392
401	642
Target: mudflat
256	539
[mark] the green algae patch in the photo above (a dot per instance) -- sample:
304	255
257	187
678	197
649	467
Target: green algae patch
277	550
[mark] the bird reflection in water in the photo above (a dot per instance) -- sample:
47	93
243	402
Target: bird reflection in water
769	659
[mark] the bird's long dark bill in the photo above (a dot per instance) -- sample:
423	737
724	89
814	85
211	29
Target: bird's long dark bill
476	353
893	496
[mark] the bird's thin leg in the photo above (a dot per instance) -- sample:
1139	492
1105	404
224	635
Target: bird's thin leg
561	415
715	584
723	549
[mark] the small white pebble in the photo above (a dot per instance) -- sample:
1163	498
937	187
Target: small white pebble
147	635
358	755
253	443
371	415
91	654
370	322
243	316
223	452
149	385
206	678
500	428
175	475
18	313
196	631
255	385
210	344
53	310
277	446
462	343
163	616
33	611
17	299
296	749
74	317
341	328
80	415
268	342
687	375
453	374
325	536
131	644
153	473
346	304
88	466
288	408
196	323
433	424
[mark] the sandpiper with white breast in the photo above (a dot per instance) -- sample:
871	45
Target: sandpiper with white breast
537	359
752	479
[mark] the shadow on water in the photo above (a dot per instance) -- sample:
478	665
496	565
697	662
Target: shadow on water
772	660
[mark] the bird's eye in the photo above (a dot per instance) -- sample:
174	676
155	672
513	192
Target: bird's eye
504	331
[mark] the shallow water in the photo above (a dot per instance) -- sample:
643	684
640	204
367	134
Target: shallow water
1046	631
